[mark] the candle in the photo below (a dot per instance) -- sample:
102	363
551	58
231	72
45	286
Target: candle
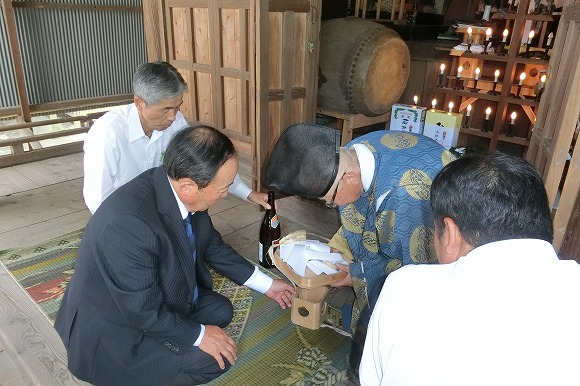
477	71
469	31
550	37
434	103
487	112
488	33
542	80
442	67
468	111
530	37
496	73
450	107
459	69
505	34
416	99
522	77
513	118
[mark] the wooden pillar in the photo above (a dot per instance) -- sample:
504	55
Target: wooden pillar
18	68
154	33
570	249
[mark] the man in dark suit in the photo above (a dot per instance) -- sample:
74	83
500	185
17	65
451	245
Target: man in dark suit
139	309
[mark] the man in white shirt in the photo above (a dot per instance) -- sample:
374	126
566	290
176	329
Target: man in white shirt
130	139
500	308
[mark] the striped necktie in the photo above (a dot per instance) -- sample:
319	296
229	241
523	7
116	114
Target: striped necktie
191	239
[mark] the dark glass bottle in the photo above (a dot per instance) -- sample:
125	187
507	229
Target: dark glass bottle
269	233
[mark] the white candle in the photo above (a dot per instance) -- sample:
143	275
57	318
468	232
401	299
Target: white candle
505	34
530	37
477	71
513	118
487	112
522	77
550	37
450	107
459	69
542	80
488	33
434	103
416	99
469	31
442	67
496	73
468	111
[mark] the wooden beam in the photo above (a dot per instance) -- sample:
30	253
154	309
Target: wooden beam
16	59
37	155
67	6
154	31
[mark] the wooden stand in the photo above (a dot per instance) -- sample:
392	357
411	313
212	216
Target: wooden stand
352	121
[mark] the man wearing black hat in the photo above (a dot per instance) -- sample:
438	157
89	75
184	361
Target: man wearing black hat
380	182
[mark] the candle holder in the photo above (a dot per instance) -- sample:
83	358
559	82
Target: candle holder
440	80
500	49
492	91
485	44
486	127
469	43
539	94
466	123
458	84
511	128
475	89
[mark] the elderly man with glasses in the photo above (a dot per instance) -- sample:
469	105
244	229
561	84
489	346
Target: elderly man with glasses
380	183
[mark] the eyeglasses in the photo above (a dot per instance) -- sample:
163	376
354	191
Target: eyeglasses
331	204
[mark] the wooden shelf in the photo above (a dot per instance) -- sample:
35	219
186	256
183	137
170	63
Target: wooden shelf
514	16
510	66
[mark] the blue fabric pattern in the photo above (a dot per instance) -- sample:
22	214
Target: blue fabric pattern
400	231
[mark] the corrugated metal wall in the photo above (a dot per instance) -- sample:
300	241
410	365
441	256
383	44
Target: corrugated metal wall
8	96
71	54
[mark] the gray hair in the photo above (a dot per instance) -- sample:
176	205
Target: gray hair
153	82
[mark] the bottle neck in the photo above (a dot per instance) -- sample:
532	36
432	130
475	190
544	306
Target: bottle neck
271	199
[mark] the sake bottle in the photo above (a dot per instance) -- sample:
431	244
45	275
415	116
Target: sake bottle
269	233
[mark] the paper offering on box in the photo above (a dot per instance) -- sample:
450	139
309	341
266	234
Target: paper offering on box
312	254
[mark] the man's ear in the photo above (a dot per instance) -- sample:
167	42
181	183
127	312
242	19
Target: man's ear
452	242
139	103
185	187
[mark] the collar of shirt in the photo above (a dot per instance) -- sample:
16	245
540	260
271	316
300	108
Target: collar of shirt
136	129
182	209
366	162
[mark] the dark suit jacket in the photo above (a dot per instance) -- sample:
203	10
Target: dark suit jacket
125	316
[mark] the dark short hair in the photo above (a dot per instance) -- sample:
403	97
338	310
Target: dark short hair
492	197
197	153
155	81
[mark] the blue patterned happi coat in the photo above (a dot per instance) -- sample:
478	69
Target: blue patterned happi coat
401	230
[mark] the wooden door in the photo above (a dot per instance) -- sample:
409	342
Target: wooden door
287	68
211	43
557	117
251	65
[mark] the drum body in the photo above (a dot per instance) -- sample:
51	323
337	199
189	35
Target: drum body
364	66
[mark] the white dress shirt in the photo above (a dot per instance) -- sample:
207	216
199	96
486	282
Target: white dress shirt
507	313
259	281
117	150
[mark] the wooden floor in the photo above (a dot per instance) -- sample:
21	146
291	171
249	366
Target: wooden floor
42	200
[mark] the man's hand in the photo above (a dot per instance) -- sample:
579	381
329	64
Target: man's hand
260	199
281	292
216	343
347	281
